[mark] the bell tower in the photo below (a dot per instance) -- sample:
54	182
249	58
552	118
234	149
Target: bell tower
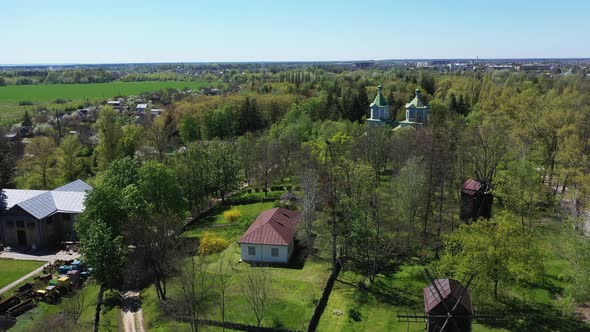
379	110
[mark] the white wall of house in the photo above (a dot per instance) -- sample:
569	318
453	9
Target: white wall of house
264	253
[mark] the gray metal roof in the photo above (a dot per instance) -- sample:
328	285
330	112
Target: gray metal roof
77	185
69	201
40	206
42	203
15	196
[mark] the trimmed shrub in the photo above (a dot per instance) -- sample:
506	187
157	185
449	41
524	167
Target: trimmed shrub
210	244
232	215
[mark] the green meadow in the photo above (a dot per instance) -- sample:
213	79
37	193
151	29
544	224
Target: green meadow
46	94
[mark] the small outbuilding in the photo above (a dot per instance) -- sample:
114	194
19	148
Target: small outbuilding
141	108
270	239
437	306
476	200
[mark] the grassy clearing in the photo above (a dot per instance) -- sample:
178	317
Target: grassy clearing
250	210
295	292
11	270
534	308
294	295
46	94
395	291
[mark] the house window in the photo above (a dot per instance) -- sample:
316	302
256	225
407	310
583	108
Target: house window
252	251
274	252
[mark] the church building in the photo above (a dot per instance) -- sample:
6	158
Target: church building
416	112
380	115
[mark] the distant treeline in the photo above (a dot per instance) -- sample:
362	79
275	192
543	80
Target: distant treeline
82	76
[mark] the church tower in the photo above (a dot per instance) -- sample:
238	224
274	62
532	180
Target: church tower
379	110
416	111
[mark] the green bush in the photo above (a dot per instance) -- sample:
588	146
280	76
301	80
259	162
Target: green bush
246	221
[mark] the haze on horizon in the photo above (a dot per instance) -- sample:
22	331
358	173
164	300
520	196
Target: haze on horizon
133	31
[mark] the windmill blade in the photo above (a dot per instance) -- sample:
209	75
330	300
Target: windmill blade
442	329
463	291
433	283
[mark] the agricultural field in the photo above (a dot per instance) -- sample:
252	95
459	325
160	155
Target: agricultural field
11	270
11	96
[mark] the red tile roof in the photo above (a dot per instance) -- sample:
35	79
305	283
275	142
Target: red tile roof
450	290
471	187
273	227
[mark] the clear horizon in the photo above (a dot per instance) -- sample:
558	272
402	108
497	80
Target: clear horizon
131	31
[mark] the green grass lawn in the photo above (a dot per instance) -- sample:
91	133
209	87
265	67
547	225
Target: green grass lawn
532	309
46	94
214	220
398	290
294	295
11	270
295	292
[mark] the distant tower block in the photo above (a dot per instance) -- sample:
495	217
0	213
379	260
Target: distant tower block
379	110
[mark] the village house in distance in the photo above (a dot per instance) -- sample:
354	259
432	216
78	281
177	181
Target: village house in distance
41	218
416	112
270	238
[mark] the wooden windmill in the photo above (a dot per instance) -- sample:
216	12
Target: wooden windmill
447	306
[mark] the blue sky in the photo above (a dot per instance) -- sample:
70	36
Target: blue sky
107	31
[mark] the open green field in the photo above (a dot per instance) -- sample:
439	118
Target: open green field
46	94
11	270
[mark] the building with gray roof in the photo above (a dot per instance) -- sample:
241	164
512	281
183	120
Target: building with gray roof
41	218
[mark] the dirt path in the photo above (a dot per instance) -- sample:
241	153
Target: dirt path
131	313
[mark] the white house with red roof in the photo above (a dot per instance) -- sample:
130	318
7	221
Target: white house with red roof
270	238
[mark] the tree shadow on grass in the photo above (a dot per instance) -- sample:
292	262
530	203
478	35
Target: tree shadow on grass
539	317
407	297
111	300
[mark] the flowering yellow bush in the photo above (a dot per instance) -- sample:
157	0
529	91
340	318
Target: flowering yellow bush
211	244
232	215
